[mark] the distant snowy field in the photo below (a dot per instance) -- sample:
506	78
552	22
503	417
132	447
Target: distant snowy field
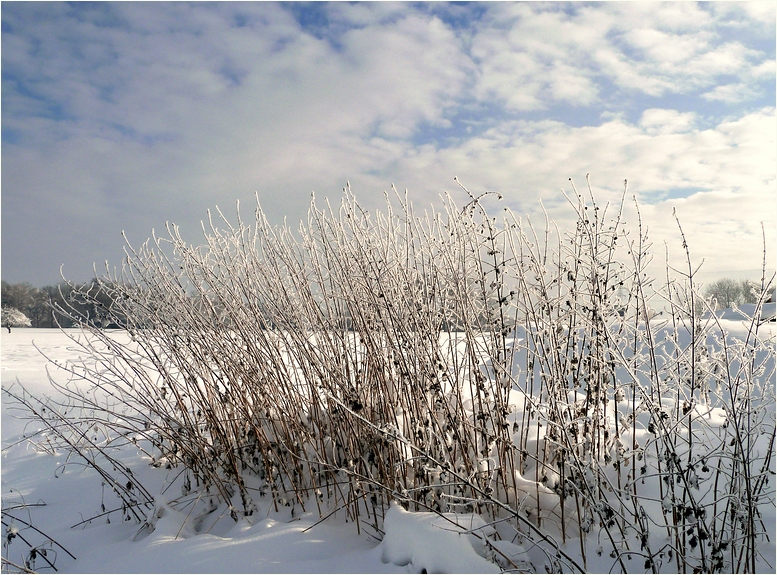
60	494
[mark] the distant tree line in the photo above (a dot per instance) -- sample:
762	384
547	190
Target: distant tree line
730	292
42	306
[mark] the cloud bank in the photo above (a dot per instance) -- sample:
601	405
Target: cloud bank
122	116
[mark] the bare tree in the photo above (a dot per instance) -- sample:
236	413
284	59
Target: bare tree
726	291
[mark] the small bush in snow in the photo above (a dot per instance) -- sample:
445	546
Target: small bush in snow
12	317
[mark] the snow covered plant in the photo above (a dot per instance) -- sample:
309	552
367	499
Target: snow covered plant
12	317
453	363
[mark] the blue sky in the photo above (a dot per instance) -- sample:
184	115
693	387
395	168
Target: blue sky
123	116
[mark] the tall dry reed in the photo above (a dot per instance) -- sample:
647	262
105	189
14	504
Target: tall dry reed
452	361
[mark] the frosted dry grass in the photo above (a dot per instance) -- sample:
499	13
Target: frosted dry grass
453	362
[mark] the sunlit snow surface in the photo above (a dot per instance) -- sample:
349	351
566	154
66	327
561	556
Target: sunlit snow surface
270	543
59	494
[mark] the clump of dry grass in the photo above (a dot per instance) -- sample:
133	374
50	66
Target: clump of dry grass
451	362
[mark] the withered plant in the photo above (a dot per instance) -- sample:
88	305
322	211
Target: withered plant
453	362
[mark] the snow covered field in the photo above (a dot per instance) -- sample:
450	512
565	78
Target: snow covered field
64	500
59	494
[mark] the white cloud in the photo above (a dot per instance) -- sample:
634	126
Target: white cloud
667	49
531	66
727	174
731	93
657	121
676	17
526	52
758	15
762	11
175	107
731	58
765	70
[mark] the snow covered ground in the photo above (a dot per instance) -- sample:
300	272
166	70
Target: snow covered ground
59	494
63	499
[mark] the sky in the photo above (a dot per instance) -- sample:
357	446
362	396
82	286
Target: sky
124	116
